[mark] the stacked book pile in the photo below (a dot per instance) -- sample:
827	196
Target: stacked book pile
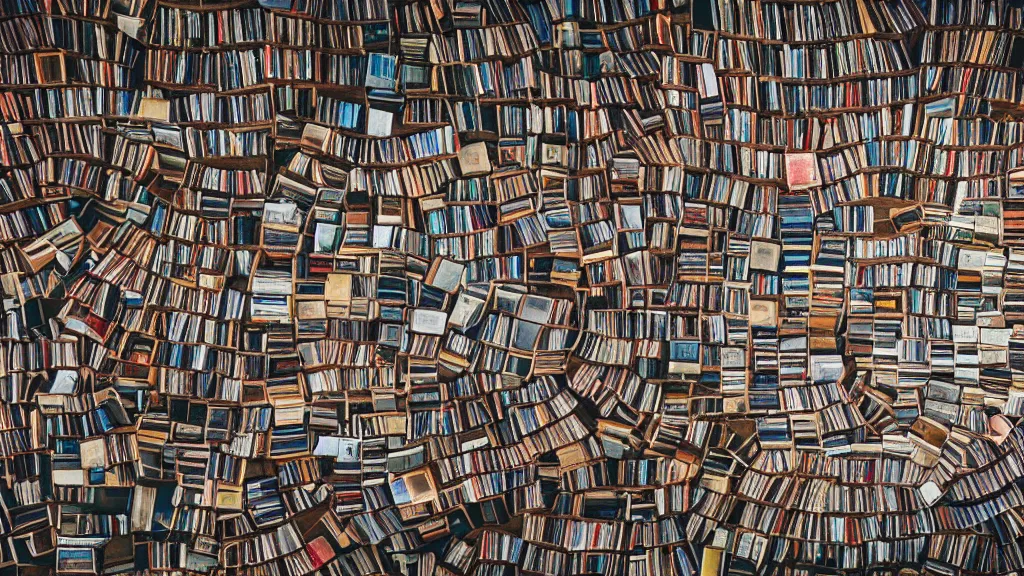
511	287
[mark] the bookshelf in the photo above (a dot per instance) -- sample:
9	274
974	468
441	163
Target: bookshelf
492	287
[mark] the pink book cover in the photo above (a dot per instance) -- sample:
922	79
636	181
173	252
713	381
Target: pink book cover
802	171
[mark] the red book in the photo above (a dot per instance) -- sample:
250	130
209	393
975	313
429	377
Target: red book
98	324
320	551
802	170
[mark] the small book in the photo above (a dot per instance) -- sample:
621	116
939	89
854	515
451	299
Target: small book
765	256
802	170
379	122
473	159
155	109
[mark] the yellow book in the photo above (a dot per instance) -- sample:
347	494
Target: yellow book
712	562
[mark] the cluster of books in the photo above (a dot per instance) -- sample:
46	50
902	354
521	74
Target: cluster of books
501	287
